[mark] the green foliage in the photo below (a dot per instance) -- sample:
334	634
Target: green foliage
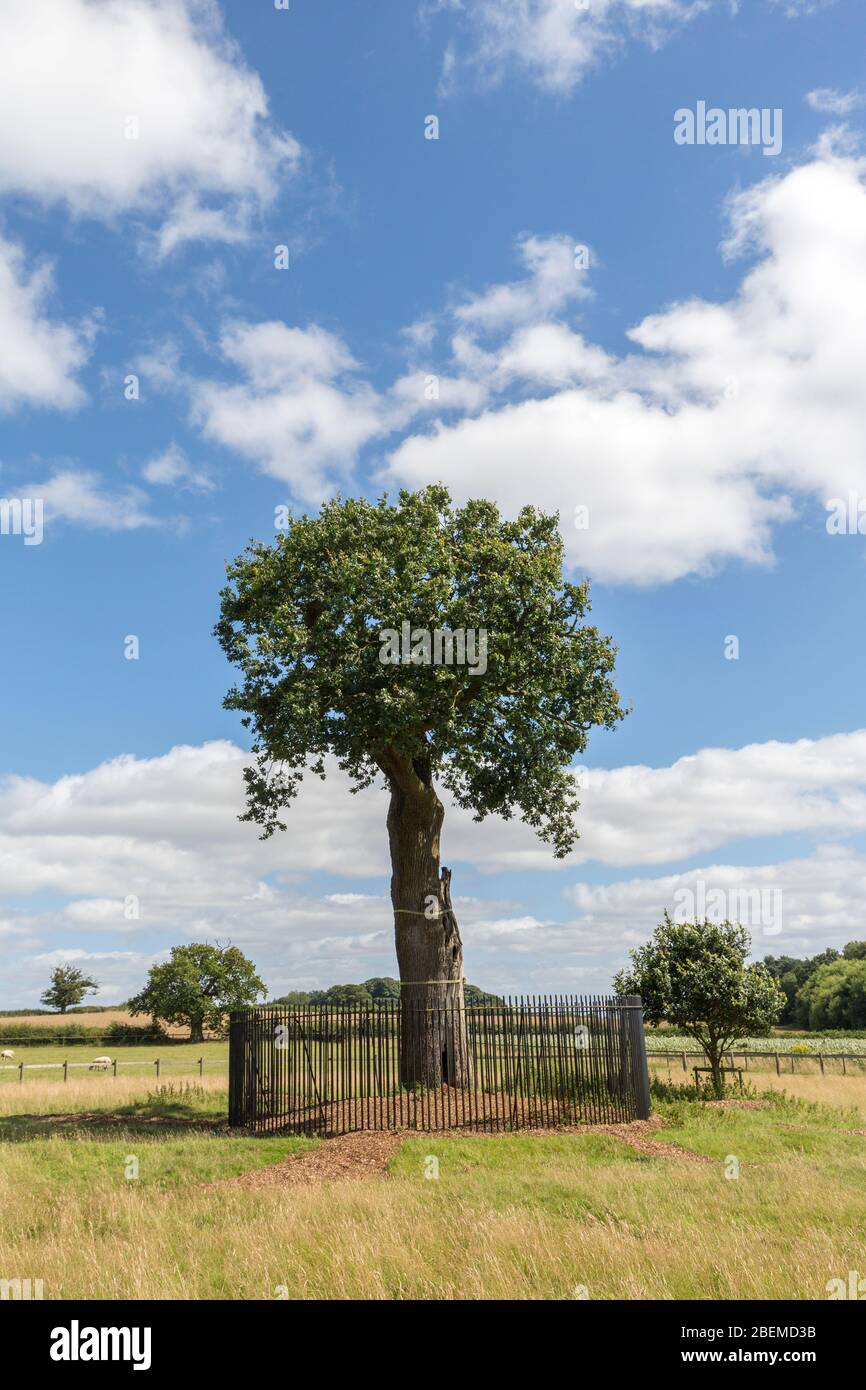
133	1033
834	996
198	986
475	997
791	973
302	620
68	986
383	987
694	976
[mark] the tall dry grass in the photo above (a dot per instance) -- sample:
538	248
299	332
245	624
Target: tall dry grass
94	1091
658	1229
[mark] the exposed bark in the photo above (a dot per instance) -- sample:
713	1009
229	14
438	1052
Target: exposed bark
434	1049
196	1031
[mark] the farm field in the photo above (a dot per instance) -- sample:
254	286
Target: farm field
177	1060
554	1216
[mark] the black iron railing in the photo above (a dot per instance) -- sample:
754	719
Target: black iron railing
525	1063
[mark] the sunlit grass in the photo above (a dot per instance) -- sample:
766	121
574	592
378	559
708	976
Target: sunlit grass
513	1217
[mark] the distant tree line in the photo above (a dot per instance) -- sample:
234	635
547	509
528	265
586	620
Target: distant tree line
824	991
381	987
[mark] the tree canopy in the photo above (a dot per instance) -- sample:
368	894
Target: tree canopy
198	986
694	975
302	619
68	986
834	995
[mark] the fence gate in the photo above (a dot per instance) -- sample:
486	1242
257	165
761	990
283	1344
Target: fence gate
523	1063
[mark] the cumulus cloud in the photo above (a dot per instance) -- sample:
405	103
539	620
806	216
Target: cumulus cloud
299	412
39	356
555	43
690	450
83	498
835	102
138	106
725	419
172	468
150	851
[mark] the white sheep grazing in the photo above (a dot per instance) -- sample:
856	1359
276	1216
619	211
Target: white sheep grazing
100	1064
7	1056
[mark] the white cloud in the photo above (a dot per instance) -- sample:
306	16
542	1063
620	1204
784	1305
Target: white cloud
690	450
554	279
83	497
164	832
39	356
173	468
556	42
75	77
300	413
836	102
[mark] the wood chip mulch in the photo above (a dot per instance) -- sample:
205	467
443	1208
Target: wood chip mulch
365	1155
346	1158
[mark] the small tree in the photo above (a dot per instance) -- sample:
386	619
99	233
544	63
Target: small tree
198	986
68	987
694	976
345	635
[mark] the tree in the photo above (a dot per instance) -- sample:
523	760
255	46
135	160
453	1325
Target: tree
383	987
791	973
198	986
477	997
694	975
835	995
68	987
310	622
347	996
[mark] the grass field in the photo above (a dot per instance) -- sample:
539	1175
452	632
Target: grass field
557	1216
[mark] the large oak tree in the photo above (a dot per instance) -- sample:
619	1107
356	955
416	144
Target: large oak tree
303	620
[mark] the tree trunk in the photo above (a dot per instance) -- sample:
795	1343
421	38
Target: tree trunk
196	1031
714	1057
435	1047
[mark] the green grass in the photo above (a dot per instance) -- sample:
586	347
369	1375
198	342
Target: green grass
138	1060
176	1134
510	1217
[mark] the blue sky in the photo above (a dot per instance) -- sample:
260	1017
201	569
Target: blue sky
700	386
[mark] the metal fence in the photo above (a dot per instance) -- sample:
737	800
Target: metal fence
526	1063
784	1063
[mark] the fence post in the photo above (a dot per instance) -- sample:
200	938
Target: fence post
20	1071
201	1066
65	1070
640	1069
